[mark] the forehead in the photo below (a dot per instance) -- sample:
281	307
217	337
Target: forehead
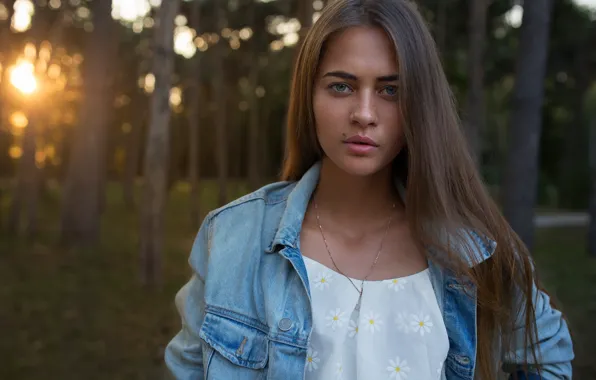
361	50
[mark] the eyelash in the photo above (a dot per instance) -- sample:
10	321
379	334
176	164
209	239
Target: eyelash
333	86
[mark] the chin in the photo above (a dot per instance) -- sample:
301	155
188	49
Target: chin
361	166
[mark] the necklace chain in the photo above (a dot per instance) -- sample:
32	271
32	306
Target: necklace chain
361	290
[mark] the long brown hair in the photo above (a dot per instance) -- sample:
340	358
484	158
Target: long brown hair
444	189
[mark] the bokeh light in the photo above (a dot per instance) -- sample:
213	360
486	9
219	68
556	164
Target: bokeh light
245	33
55	4
515	16
23	12
149	83
184	41
176	96
131	10
286	29
22	77
15	152
30	51
19	120
201	44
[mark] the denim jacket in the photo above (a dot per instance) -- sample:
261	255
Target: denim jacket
246	311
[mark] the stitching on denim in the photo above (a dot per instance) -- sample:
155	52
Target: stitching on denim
459	368
234	316
210	234
223	351
240	349
285	338
209	359
292	341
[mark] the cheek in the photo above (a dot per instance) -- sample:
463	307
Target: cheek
328	112
395	128
390	117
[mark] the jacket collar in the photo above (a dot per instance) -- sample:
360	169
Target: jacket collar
288	231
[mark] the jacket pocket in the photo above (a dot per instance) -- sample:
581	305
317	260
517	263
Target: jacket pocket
241	344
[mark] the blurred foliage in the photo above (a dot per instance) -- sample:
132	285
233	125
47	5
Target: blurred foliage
571	68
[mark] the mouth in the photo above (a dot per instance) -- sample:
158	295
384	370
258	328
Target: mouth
361	140
361	145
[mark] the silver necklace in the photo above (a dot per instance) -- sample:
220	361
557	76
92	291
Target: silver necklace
361	290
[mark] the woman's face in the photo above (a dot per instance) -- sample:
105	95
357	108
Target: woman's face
355	101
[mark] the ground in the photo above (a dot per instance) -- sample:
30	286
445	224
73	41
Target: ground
81	313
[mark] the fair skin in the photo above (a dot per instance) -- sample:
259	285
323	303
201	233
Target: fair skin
355	95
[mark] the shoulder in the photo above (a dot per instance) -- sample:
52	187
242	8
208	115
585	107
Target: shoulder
267	197
248	220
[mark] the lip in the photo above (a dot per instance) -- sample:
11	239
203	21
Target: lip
361	145
361	140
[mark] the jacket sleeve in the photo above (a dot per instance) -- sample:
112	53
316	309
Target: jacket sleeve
183	355
554	347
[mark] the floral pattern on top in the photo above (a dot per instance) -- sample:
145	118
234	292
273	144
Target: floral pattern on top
397	333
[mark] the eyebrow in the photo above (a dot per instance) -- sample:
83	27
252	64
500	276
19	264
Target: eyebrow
348	76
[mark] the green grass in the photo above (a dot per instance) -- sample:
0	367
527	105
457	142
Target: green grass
570	277
82	314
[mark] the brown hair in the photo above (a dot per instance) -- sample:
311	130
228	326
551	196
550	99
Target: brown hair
445	191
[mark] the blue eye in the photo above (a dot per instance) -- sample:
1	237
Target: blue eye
340	87
390	90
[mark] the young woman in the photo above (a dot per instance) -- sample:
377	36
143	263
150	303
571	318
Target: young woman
381	255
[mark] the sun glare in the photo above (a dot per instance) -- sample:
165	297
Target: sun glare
22	77
21	19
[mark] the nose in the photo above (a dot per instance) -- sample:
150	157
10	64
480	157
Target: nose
365	112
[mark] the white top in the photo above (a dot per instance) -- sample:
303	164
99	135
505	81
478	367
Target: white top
397	334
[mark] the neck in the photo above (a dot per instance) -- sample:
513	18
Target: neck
356	197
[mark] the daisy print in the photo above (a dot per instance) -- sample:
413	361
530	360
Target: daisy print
396	284
421	323
440	370
352	329
372	322
398	369
335	319
402	322
323	279
339	371
312	360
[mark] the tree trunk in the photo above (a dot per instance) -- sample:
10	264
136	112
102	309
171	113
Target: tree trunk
5	46
27	185
572	166
592	207
26	192
194	91
106	149
254	133
475	97
266	140
305	13
157	148
133	151
81	199
521	172
254	127
219	91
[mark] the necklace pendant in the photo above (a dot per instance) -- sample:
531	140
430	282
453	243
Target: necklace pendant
359	303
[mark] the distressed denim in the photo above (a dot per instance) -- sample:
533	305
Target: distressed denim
246	311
